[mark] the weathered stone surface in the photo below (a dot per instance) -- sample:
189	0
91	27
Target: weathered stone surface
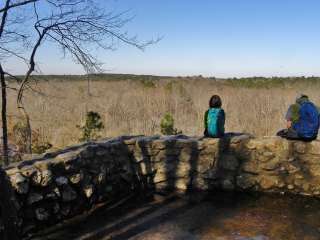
211	148
61	181
186	143
52	195
271	165
60	185
204	163
268	182
89	152
36	178
102	152
250	167
68	156
145	167
266	156
131	141
33	198
46	178
239	138
188	154
102	176
173	151
290	187
314	148
159	144
68	194
245	181
26	171
42	214
228	184
88	190
229	162
76	178
20	183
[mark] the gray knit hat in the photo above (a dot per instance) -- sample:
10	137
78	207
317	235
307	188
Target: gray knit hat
301	98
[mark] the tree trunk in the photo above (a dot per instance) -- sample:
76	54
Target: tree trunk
4	118
27	125
9	213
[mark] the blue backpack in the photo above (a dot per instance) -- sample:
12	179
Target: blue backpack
215	122
308	124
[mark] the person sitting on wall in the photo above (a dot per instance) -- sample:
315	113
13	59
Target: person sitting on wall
214	118
302	120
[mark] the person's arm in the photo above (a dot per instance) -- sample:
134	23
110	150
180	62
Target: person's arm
205	123
221	122
288	117
293	115
289	124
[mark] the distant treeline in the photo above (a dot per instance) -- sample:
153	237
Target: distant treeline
270	82
247	82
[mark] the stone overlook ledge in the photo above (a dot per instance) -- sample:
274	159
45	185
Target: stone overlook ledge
60	185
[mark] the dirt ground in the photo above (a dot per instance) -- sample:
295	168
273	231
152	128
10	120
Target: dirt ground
199	217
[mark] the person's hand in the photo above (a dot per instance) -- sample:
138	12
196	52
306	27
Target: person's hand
205	133
289	124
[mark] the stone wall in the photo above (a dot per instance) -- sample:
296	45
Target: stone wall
61	185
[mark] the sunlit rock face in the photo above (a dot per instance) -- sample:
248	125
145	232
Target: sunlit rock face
237	162
60	185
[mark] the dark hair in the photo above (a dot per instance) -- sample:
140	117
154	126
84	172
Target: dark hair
215	102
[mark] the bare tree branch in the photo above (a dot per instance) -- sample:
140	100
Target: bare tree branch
13	53
4	18
7	7
77	27
31	67
74	26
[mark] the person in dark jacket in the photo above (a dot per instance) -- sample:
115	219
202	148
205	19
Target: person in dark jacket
302	120
214	118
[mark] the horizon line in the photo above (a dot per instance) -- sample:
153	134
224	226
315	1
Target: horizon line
178	76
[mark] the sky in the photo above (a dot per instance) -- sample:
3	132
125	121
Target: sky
221	38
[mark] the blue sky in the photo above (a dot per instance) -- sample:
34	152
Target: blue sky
223	38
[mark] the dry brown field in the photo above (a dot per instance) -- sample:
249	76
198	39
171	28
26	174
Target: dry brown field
127	107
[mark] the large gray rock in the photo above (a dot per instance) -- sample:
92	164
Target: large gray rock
20	183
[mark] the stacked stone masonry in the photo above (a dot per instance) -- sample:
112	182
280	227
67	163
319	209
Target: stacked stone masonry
60	185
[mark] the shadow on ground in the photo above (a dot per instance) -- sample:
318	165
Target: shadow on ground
221	216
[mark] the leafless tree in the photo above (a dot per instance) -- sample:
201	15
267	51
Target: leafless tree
76	27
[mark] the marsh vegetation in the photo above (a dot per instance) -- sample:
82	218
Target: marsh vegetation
130	104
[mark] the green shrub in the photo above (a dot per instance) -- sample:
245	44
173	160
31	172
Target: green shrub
167	125
92	127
